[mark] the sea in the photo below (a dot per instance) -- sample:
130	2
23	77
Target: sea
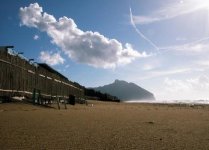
191	102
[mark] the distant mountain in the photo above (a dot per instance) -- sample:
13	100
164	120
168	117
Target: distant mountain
126	91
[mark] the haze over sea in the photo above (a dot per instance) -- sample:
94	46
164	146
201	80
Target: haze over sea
192	102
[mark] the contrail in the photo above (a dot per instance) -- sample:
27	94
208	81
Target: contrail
199	41
140	33
163	48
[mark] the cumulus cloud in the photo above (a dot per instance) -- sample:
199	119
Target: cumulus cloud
51	58
36	37
86	47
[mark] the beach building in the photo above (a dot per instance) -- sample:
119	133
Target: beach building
20	76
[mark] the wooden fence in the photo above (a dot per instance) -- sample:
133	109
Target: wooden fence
19	77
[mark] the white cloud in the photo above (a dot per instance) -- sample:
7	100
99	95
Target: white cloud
152	64
36	37
193	47
148	67
171	10
86	47
160	73
204	63
181	39
51	58
193	88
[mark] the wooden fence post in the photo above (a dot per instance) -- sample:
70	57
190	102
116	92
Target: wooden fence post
65	103
58	104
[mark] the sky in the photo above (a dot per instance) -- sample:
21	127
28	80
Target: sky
160	45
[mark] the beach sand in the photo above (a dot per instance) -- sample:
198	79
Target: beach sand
104	125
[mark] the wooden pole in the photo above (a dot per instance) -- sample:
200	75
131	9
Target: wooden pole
65	103
58	104
34	96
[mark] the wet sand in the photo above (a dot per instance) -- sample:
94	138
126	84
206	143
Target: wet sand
104	126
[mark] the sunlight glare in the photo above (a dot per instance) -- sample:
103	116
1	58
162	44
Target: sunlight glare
204	3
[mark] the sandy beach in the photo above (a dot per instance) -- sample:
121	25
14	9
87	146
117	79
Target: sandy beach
104	125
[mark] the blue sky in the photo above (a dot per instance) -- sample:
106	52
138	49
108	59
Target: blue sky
160	45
